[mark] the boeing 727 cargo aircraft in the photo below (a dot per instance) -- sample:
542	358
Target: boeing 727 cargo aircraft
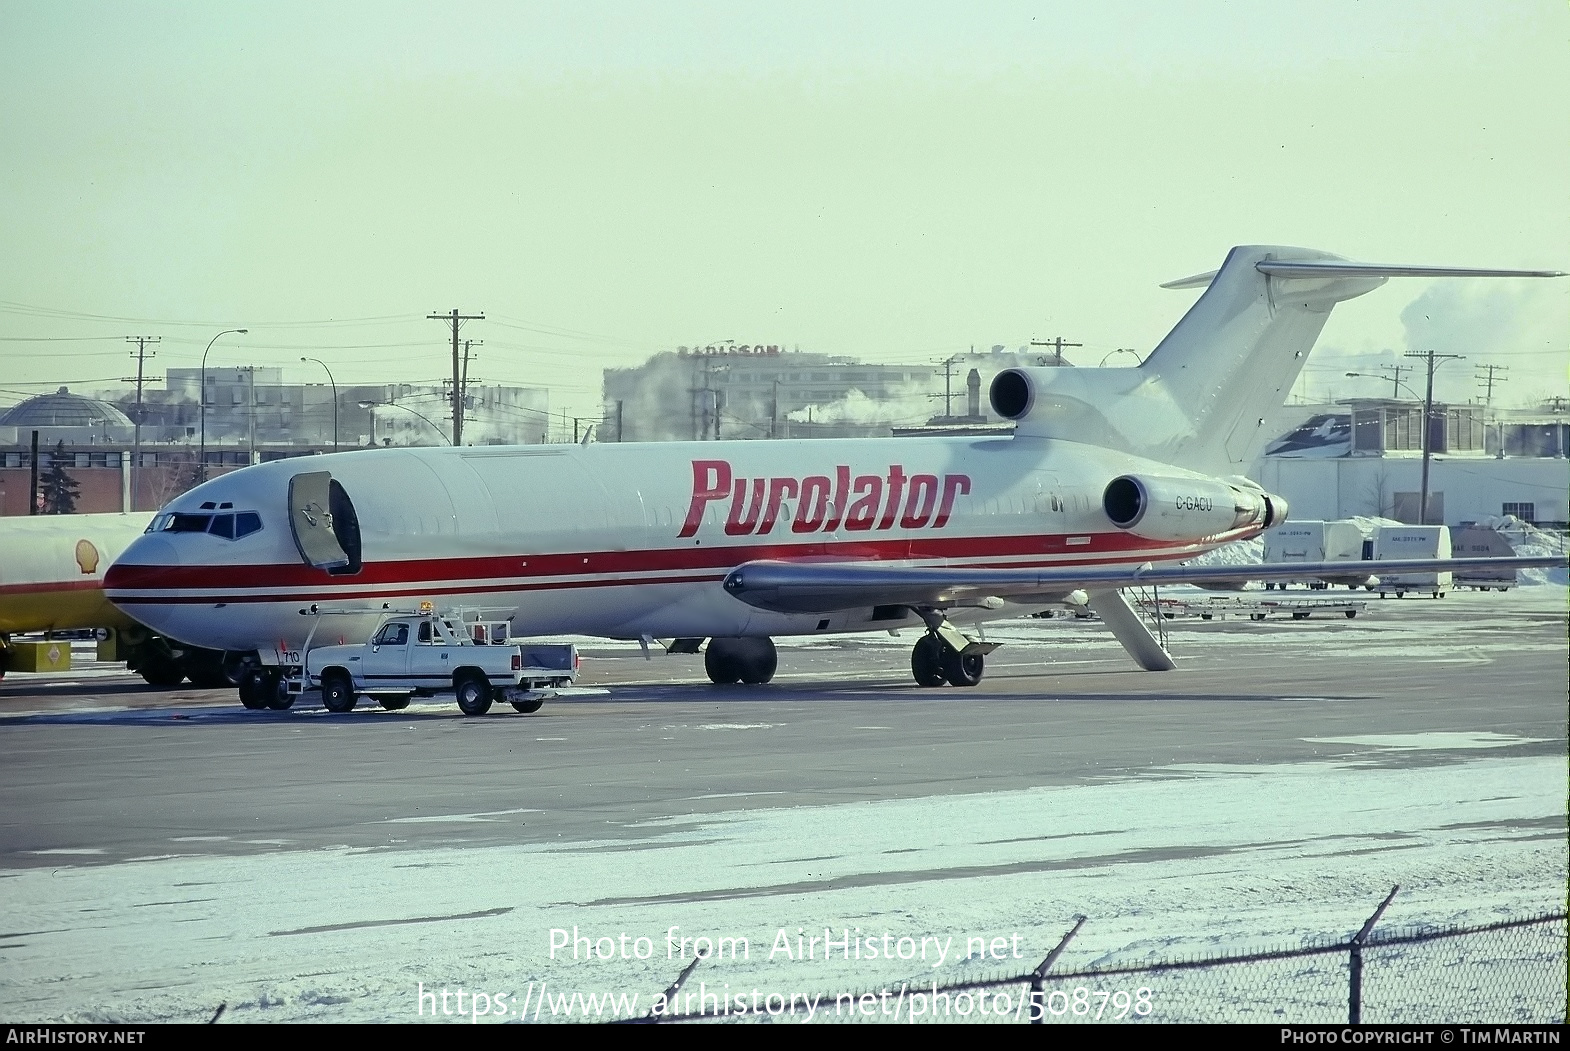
1112	478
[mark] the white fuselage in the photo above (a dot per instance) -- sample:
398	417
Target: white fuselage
629	541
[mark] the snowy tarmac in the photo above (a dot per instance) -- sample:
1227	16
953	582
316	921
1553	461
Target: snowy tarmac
164	853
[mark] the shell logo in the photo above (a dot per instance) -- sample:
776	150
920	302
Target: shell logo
87	556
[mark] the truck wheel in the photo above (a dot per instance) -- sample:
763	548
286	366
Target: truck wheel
474	693
528	707
337	692
394	704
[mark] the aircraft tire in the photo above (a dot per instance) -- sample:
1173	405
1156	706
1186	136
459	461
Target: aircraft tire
527	707
394	703
720	662
474	693
758	661
962	669
249	695
337	692
926	661
205	669
163	673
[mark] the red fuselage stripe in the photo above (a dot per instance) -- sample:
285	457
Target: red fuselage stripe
122	577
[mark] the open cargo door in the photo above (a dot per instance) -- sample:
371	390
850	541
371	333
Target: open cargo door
326	529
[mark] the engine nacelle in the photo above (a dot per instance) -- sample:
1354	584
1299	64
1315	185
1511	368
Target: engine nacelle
1187	508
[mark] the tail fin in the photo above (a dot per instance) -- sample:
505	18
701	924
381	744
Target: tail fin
1200	399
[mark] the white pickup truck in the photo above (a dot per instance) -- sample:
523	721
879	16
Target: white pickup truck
424	654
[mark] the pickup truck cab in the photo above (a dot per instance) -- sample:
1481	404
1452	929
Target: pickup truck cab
426	654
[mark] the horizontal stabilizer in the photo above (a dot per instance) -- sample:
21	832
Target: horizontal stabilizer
1340	268
1310	268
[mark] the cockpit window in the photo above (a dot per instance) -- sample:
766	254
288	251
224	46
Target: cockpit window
184	523
230	526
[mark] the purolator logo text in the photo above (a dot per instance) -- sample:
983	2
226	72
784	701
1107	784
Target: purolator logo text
821	503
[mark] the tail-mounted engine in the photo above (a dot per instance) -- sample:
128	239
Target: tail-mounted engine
1188	508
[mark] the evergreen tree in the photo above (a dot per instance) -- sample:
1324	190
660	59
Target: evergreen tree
59	489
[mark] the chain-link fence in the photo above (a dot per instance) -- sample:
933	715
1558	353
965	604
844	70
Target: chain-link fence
1513	971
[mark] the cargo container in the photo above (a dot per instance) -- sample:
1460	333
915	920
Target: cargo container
1316	541
1406	541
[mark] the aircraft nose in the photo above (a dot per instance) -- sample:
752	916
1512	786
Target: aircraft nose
156	551
144	554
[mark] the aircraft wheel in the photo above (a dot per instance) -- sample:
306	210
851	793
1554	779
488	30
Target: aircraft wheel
394	704
1351	613
926	661
758	661
275	694
962	669
474	694
527	707
720	663
337	692
164	673
249	694
205	669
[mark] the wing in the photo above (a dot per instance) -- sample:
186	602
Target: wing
824	587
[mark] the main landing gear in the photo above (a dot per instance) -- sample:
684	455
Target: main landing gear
946	655
740	660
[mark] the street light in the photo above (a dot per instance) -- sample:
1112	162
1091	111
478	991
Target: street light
1389	379
334	382
373	405
1124	350
201	456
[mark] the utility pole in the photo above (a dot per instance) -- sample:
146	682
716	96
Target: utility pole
1057	344
1394	376
1434	361
141	356
250	412
948	384
1488	381
456	319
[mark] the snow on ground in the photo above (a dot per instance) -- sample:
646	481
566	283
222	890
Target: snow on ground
1179	861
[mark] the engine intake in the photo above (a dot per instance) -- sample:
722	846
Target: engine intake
1187	508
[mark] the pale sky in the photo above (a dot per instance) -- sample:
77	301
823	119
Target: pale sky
892	180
